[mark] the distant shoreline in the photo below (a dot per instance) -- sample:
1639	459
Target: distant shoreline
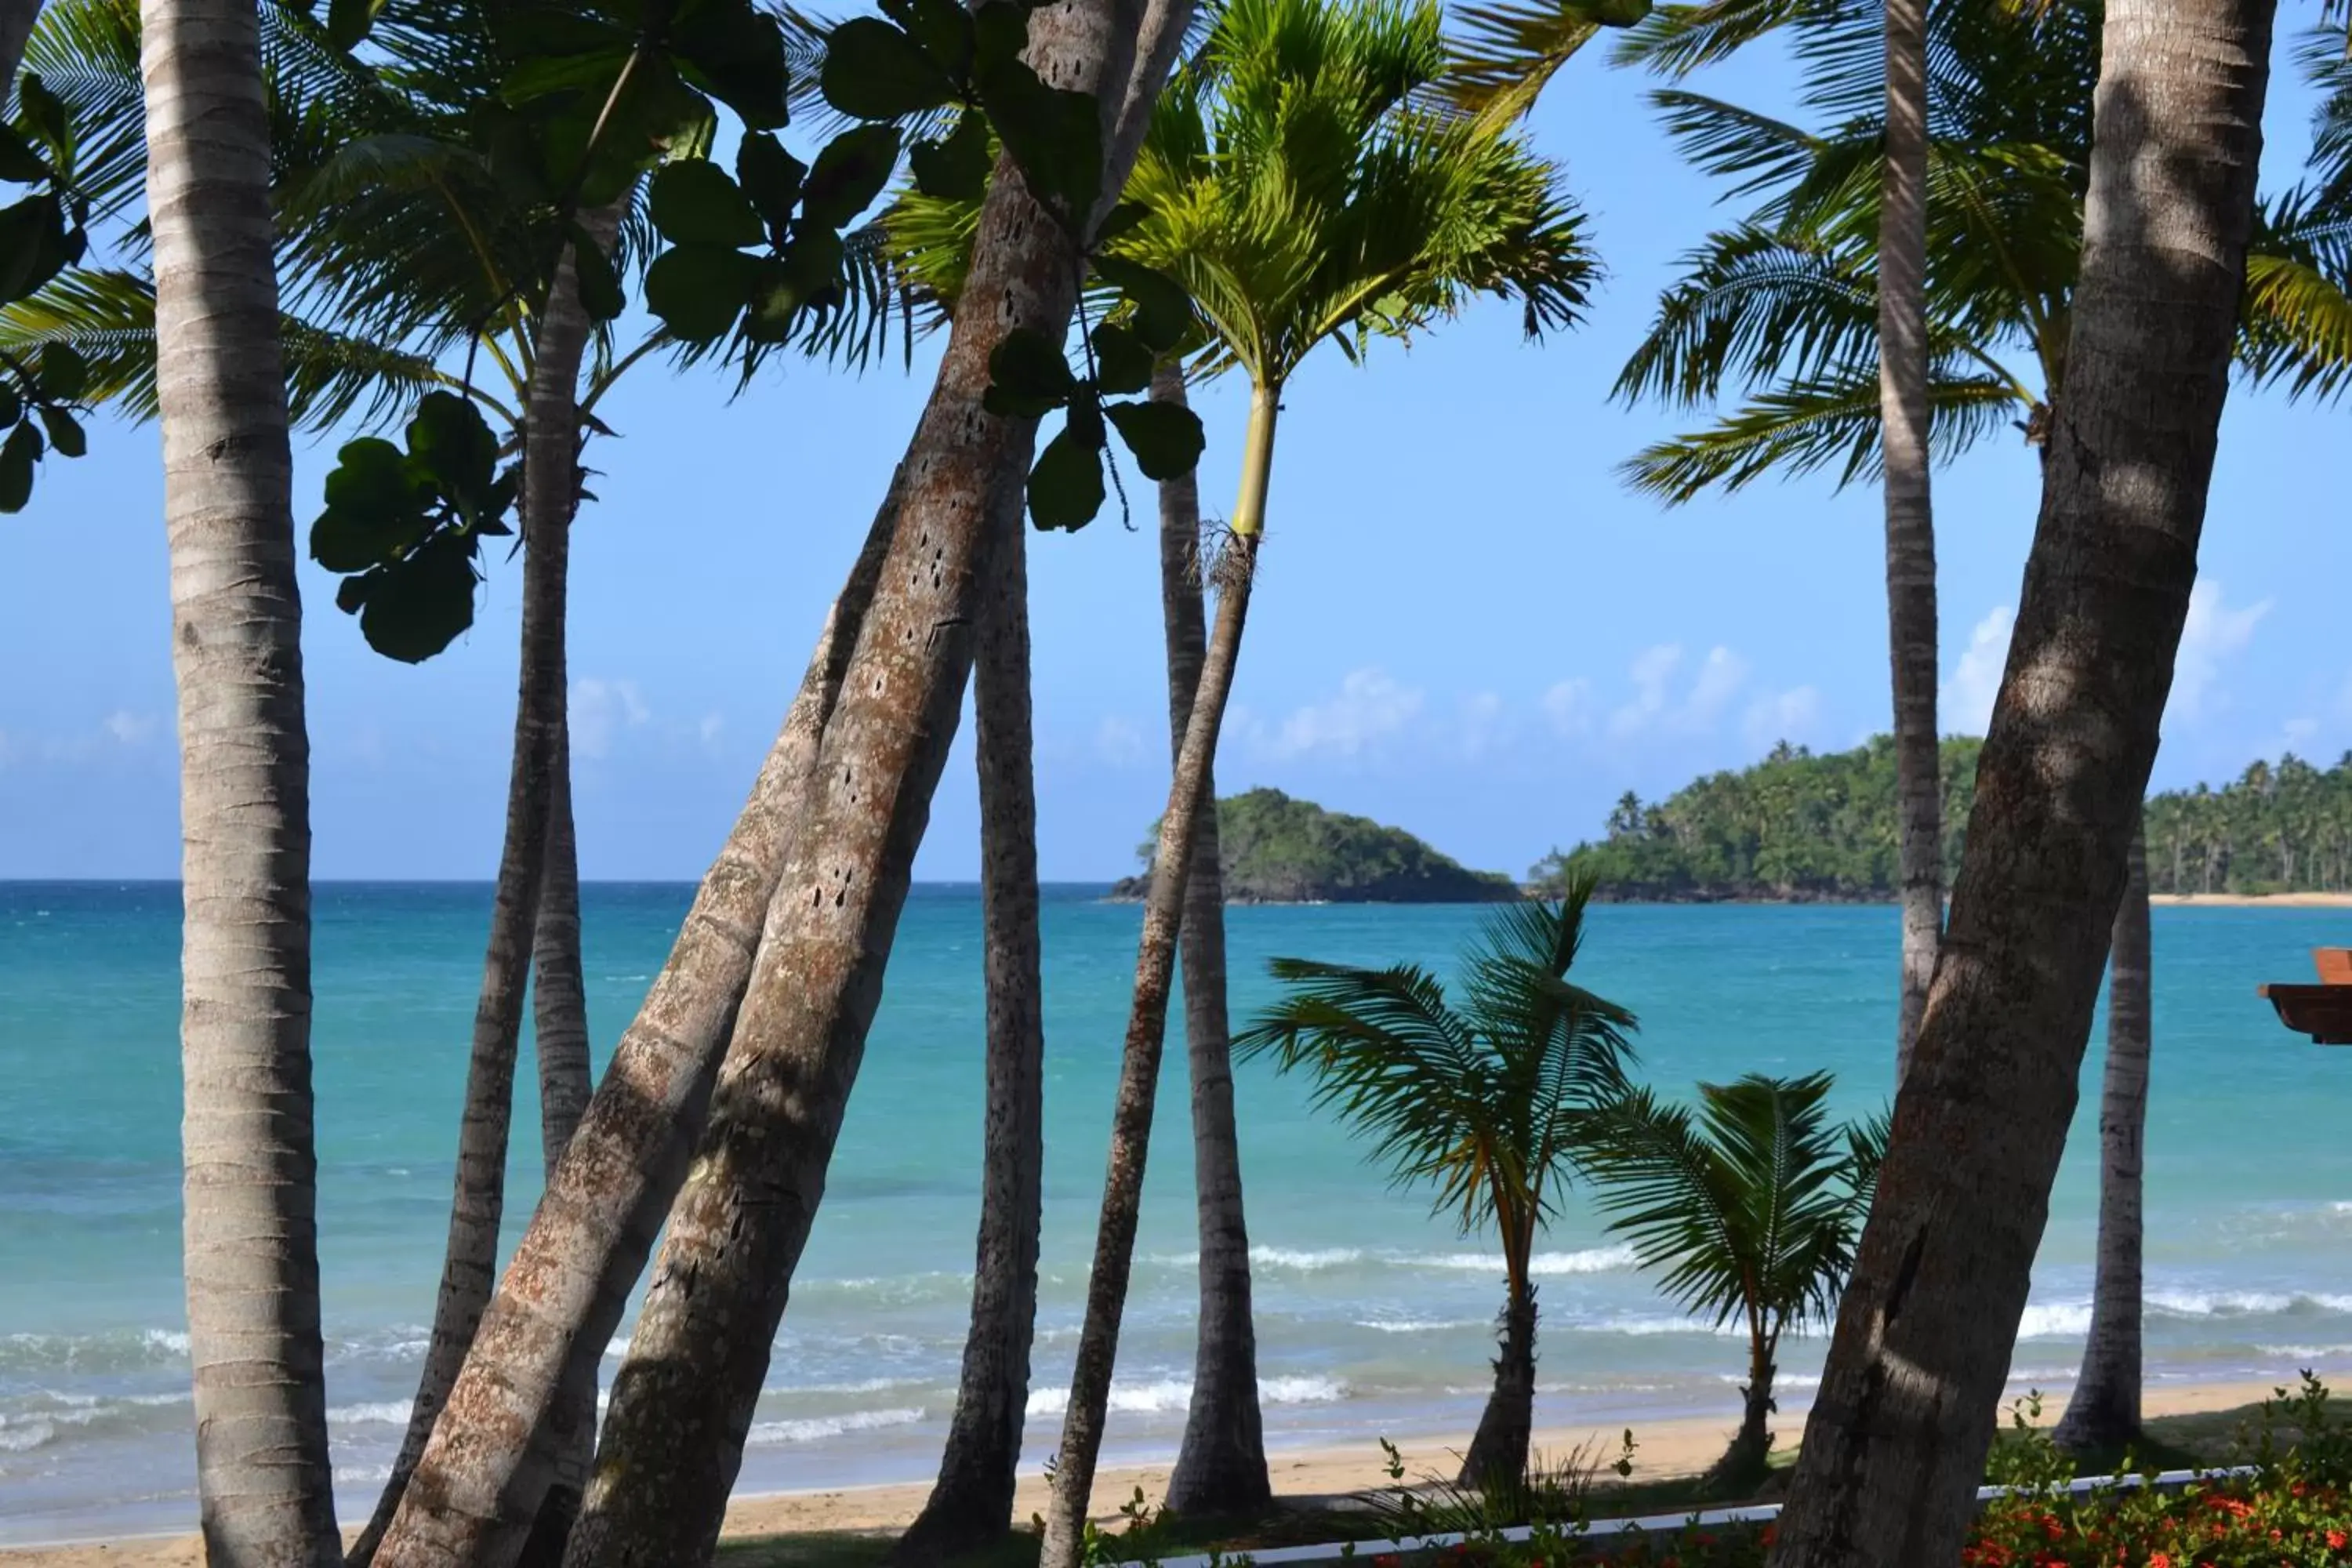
2253	900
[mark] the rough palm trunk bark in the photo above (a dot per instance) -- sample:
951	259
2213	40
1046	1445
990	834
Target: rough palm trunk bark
683	1399
971	1505
493	1455
1496	1463
1155	963
251	1226
16	19
1221	1465
1748	1458
1910	519
2104	1413
476	1206
1898	1434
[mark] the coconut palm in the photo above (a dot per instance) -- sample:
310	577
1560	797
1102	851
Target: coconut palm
1490	1099
1750	1208
262	1480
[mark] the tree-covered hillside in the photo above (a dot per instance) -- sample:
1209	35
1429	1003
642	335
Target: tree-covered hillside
1277	850
1799	826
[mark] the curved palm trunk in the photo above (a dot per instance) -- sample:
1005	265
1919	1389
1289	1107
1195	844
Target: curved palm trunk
2104	1413
971	1505
559	1038
1898	1434
1748	1460
16	19
1497	1464
683	1400
469	1261
1910	522
250	1225
495	1453
1221	1467
1146	1022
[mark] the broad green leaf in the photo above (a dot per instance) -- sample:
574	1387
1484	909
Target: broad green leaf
1086	419
418	605
38	109
373	483
1055	136
1124	218
1121	361
694	203
1163	310
589	73
28	254
11	406
875	70
349	21
593	276
1065	487
1166	437
64	373
18	162
449	439
697	290
954	168
17	456
943	27
352	592
848	174
64	434
1027	376
735	52
769	176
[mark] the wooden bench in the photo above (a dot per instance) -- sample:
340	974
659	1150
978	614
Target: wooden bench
2323	1011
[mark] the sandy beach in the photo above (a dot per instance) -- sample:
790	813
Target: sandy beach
2253	900
1666	1449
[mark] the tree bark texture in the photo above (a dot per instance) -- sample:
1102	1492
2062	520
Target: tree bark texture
470	1257
1221	1465
1910	518
1139	1079
971	1505
1496	1463
250	1194
1748	1460
1898	1434
493	1455
683	1400
2104	1411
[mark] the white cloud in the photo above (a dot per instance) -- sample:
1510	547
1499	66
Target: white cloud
1719	679
2214	631
1653	667
130	729
1968	695
1720	676
601	710
1790	716
1484	724
713	726
1568	706
1118	742
1370	707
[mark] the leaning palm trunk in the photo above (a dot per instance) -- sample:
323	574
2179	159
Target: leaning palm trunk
251	1230
1899	1431
498	1448
1910	522
469	1263
2104	1411
1146	1022
1496	1463
971	1505
683	1400
1221	1467
16	19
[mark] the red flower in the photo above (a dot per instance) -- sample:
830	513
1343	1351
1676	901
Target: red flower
2159	1560
2336	1539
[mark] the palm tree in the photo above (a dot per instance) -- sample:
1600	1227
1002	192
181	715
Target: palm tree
1490	1100
1896	1441
264	1483
1750	1208
1297	185
2103	1413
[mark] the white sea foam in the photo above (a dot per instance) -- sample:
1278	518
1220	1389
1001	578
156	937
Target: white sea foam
20	1437
772	1434
1422	1325
380	1412
2062	1320
1587	1260
1166	1395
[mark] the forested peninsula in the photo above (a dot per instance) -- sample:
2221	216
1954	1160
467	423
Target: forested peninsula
1277	850
1802	827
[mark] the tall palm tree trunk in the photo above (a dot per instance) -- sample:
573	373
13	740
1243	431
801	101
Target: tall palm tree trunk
1748	1458
1910	521
1221	1467
559	1038
251	1226
971	1505
1146	1022
683	1399
1496	1463
492	1457
469	1261
1906	1413
2104	1413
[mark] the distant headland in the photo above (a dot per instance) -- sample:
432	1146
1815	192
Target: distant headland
1277	850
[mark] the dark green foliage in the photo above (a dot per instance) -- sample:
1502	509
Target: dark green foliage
41	234
1796	825
1274	849
2282	827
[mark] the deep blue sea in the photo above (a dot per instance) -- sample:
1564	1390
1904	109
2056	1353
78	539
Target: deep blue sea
1373	1316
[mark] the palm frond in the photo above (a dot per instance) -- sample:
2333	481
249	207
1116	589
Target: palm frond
1675	40
1505	54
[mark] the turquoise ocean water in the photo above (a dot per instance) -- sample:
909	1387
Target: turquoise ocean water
1372	1317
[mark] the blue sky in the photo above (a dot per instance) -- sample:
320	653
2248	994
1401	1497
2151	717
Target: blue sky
1465	623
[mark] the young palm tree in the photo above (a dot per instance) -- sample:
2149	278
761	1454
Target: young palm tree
1751	1208
1293	180
1491	1100
264	1484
